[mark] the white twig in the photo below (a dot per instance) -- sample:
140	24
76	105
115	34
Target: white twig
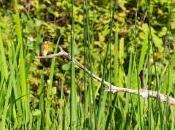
114	89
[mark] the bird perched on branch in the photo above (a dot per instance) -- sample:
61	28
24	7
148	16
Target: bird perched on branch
44	51
44	48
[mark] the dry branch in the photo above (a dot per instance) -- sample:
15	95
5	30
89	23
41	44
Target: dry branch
114	89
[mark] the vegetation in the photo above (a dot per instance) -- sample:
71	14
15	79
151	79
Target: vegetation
114	40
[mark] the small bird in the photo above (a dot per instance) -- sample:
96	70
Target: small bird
44	48
44	51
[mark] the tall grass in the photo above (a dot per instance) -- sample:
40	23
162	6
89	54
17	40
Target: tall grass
73	95
89	105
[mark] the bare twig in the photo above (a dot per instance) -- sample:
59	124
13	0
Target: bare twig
114	89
